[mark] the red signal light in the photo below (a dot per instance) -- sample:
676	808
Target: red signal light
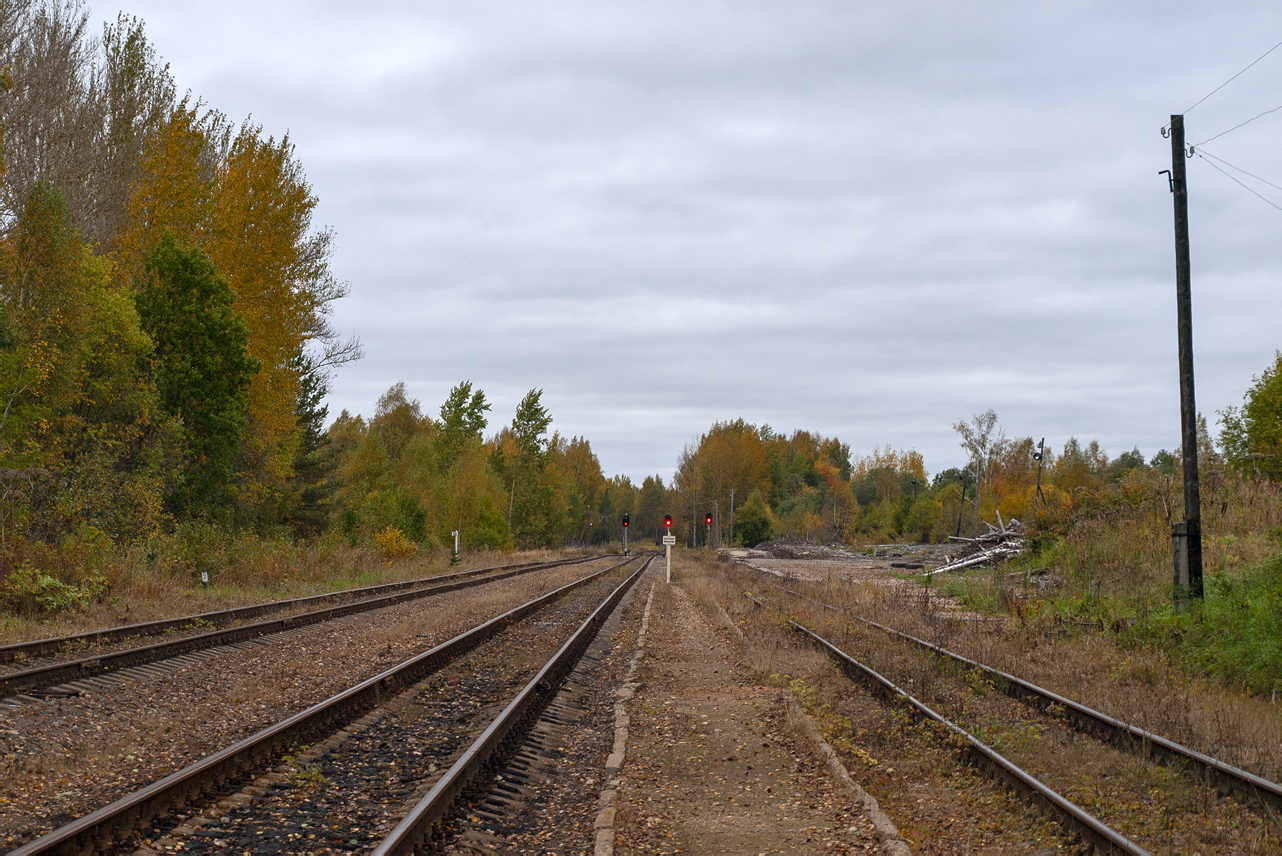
667	520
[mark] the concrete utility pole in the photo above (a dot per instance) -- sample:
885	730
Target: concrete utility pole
694	521
731	517
716	525
1186	538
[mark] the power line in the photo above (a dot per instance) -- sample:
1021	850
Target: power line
1234	77
1239	169
1235	181
1235	127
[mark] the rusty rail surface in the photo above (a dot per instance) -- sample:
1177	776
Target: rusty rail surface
100	829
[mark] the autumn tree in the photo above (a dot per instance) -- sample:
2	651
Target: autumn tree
79	401
982	439
586	481
473	494
649	507
462	422
731	455
533	516
260	237
242	198
1252	434
50	110
202	369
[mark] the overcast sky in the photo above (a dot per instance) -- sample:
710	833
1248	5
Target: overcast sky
863	219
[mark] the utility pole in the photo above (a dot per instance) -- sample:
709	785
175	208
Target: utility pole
694	521
961	508
716	525
978	475
1186	538
731	517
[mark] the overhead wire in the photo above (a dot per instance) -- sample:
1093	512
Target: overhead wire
1236	181
1234	77
1235	127
1239	169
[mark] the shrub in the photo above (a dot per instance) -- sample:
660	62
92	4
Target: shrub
753	521
27	591
394	544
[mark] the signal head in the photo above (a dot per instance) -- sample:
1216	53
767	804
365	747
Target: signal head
667	520
625	520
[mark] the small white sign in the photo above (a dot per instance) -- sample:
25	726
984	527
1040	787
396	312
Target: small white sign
669	540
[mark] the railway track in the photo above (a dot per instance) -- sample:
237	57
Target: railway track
71	677
1252	792
28	652
368	760
1086	826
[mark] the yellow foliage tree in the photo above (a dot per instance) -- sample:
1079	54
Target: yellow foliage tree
244	201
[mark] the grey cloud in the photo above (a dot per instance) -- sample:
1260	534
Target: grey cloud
862	218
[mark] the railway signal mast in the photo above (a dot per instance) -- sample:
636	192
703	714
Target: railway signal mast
668	540
625	534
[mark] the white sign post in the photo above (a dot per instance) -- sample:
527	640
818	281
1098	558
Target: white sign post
668	541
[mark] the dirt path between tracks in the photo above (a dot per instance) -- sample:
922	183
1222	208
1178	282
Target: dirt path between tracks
713	765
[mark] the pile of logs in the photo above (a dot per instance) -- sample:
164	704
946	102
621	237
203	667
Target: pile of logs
1002	541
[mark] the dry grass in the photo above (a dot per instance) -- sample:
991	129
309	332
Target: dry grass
1115	549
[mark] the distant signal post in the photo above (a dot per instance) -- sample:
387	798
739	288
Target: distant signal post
668	540
625	534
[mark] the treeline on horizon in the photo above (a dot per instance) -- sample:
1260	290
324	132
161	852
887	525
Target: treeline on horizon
808	487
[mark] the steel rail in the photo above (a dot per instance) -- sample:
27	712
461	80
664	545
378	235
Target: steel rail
99	829
427	818
1226	777
41	647
87	667
1083	824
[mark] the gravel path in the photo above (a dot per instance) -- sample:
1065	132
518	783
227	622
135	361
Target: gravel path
63	758
712	766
